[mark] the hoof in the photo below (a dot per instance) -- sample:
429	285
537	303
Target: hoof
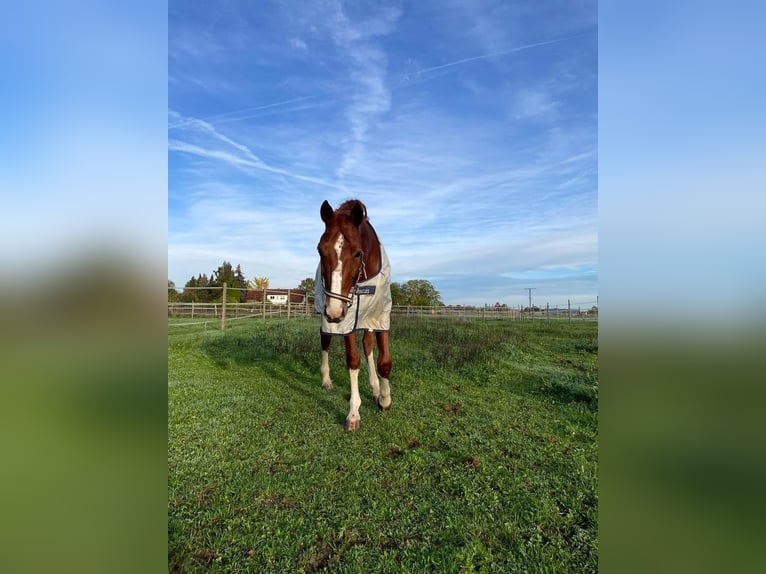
385	404
375	398
353	424
327	386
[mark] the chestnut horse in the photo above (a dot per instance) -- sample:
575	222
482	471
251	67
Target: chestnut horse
353	293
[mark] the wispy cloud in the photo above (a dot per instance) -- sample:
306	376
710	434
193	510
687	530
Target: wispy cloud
244	158
367	63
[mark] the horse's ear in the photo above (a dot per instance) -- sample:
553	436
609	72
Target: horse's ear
326	211
358	213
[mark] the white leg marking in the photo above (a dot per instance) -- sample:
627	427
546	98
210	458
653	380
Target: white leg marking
325	370
374	383
385	394
353	419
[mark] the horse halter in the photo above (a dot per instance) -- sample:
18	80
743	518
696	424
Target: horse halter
350	299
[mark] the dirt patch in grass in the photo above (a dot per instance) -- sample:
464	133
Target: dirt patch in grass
205	495
473	462
277	501
207	556
453	408
394	451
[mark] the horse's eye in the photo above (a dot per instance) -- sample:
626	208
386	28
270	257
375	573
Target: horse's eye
358	254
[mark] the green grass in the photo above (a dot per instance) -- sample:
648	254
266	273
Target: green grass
487	461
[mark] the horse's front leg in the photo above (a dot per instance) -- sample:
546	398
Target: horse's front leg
368	342
384	368
353	420
325	368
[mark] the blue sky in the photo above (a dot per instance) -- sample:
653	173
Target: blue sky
468	128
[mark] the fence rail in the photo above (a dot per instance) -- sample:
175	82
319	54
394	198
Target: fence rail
494	313
220	312
239	310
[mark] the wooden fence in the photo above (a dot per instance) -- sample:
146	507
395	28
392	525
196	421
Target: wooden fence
223	312
507	313
263	309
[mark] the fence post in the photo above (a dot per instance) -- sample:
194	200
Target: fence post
569	310
263	302
288	303
547	312
223	308
192	309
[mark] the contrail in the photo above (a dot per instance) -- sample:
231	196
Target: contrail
224	117
500	53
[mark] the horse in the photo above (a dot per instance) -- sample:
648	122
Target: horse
353	293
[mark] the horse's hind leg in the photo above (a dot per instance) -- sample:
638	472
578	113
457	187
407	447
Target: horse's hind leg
384	368
368	343
325	368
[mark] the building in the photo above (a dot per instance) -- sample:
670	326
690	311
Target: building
276	296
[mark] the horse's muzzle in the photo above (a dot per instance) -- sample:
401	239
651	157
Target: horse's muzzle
333	316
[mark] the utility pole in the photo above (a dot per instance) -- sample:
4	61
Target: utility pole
530	298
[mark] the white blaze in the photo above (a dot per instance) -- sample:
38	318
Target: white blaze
335	306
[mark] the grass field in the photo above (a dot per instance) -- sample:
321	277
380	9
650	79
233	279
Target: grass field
487	461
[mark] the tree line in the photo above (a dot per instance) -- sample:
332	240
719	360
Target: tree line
204	289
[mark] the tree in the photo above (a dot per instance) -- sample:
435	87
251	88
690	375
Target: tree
308	285
261	283
200	289
419	292
172	293
234	281
192	291
224	274
241	282
396	294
